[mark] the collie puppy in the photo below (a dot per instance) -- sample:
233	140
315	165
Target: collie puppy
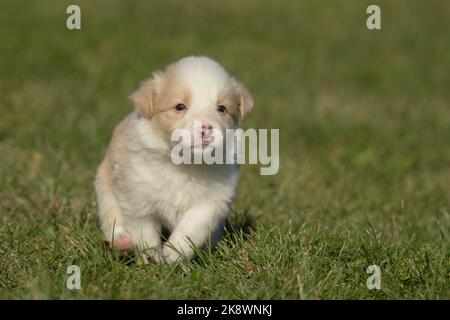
140	190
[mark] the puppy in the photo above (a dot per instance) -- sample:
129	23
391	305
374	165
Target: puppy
139	188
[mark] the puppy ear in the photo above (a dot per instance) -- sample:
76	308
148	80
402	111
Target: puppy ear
144	97
245	99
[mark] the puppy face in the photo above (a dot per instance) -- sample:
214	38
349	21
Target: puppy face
195	94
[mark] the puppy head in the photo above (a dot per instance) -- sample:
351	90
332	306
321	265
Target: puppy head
195	94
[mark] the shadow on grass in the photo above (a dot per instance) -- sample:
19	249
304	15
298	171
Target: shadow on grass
239	225
238	228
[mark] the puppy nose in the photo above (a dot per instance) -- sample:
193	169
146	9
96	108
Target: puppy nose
206	127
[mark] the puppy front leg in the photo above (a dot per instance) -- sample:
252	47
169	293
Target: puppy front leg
199	225
146	233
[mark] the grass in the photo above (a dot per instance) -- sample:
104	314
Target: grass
364	121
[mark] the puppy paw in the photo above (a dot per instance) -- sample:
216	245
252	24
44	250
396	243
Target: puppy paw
123	243
170	255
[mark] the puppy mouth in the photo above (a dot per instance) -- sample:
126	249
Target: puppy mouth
203	143
206	142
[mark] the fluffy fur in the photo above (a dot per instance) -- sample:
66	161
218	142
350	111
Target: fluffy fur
140	190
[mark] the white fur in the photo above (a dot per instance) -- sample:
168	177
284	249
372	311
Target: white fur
139	189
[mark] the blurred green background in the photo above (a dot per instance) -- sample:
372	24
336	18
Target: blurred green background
364	119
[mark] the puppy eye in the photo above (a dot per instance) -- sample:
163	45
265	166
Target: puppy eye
180	107
221	109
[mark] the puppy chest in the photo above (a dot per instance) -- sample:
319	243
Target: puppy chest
169	194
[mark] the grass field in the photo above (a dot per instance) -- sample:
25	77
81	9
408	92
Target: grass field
364	119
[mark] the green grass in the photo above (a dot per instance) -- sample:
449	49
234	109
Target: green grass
364	119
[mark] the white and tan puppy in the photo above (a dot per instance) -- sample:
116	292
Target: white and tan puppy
139	188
